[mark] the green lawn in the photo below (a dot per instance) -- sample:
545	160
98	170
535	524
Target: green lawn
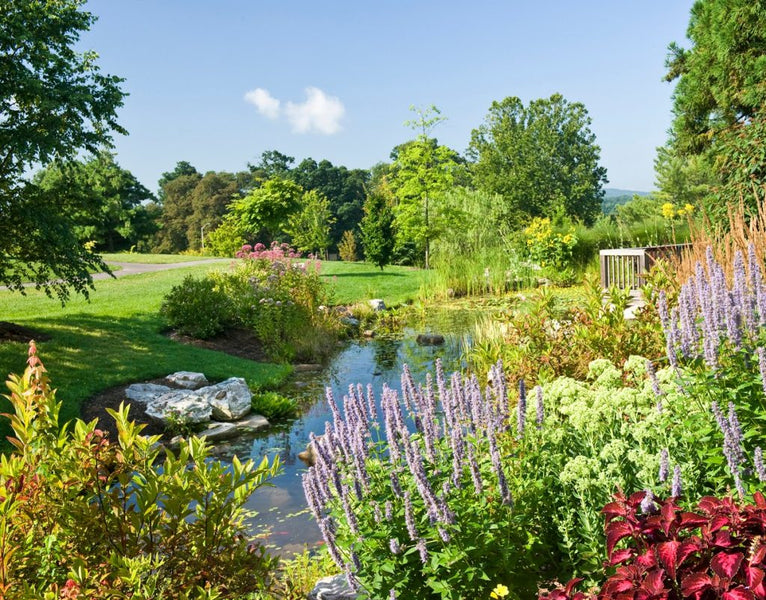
114	339
356	282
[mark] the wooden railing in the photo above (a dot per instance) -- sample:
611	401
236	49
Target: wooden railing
626	268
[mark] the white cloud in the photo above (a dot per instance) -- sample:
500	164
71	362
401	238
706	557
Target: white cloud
320	113
266	104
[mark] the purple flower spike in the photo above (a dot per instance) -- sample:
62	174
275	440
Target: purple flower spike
676	488
664	465
423	551
522	407
647	504
759	468
393	545
540	417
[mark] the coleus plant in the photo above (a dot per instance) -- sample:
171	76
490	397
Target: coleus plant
661	552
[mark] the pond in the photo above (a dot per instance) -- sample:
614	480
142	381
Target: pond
282	513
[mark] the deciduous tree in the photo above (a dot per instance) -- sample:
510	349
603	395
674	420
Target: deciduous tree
54	103
377	227
542	159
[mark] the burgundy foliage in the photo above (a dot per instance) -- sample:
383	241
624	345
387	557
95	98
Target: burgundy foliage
717	552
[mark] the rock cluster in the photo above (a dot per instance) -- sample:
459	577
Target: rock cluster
226	404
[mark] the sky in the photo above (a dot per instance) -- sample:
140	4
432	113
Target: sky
218	82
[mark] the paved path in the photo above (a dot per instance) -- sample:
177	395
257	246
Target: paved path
131	268
138	268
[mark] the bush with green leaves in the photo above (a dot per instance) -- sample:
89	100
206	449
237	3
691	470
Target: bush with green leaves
198	307
82	516
274	406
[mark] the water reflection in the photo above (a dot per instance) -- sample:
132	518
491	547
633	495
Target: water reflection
282	515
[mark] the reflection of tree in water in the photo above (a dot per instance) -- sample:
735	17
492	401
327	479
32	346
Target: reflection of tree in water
385	352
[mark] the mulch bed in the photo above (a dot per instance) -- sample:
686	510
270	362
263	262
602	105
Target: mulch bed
237	342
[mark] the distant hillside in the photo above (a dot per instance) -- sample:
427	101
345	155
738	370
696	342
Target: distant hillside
614	197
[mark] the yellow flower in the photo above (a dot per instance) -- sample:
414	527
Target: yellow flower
688	208
500	591
668	210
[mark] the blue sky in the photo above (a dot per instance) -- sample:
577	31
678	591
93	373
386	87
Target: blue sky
336	79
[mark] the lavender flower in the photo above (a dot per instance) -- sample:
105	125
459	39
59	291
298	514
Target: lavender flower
540	416
676	488
326	527
647	504
409	517
389	508
392	595
653	378
664	465
393	545
759	468
444	535
761	352
422	550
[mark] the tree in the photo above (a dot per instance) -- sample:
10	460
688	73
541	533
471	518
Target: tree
54	103
377	227
309	228
176	210
344	188
422	170
182	168
264	212
720	97
105	202
272	164
542	159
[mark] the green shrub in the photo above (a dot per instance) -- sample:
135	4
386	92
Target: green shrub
347	247
197	307
82	516
274	406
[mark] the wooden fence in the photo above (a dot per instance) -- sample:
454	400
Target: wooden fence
626	268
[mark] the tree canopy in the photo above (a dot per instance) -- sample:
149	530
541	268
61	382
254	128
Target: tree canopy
720	97
541	158
54	103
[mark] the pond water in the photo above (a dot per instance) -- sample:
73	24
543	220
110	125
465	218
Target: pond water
283	517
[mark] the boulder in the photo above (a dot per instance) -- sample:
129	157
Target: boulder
230	399
430	339
332	588
216	432
350	322
377	304
188	379
179	404
144	392
252	423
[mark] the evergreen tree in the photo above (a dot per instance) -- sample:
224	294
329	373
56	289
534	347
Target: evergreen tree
377	227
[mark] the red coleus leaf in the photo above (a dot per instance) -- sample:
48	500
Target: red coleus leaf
617	585
668	554
571	584
760	501
726	565
690	520
753	576
654	582
615	509
759	553
668	513
717	522
620	556
695	583
647	560
738	593
709	504
722	539
614	533
760	592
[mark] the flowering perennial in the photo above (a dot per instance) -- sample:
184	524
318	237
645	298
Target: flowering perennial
422	453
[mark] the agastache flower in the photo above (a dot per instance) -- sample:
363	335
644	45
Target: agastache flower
664	465
522	408
540	416
676	488
647	504
758	461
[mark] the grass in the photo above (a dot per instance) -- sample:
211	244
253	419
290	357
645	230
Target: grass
356	282
114	339
152	259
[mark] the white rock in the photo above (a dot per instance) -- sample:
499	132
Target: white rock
332	588
181	404
144	392
219	431
230	399
252	423
188	379
377	304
